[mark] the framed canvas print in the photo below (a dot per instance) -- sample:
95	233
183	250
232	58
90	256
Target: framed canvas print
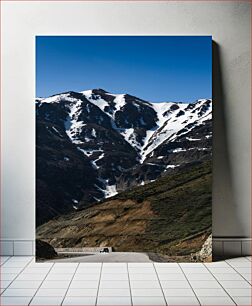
124	148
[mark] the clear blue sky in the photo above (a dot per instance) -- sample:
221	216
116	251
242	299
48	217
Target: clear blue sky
154	68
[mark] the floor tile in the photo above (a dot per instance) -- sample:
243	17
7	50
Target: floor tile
80	300
174	284
146	292
210	292
33	260
243	270
51	292
191	264
235	284
140	264
5	283
64	265
138	276
220	264
115	269
180	300
114	292
145	270
90	264
9	270
59	277
243	300
55	284
88	270
204	284
225	270
85	284
82	292
19	292
241	264
229	276
220	300
248	277
25	284
22	258
14	300
103	300
29	276
114	264
172	276
165	264
4	259
8	276
87	276
36	271
41	265
144	284
200	276
239	291
195	270
178	292
237	259
112	277
14	264
47	300
165	270
114	284
147	300
62	271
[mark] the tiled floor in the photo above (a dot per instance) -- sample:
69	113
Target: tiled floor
24	282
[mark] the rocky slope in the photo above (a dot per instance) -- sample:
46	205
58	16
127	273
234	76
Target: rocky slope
93	144
170	217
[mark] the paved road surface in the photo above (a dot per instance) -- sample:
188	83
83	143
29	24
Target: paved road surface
108	257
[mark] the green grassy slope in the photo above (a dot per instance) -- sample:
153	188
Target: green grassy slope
170	216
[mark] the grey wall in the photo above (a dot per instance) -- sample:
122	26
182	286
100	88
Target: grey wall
227	22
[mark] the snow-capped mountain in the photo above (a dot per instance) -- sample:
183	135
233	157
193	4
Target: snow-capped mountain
92	144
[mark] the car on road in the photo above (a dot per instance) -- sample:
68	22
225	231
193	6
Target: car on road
104	250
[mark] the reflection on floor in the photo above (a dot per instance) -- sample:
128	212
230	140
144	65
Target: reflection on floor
24	282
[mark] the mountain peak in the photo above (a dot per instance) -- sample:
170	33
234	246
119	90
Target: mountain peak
99	91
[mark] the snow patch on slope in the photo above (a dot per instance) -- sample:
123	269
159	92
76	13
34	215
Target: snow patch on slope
72	125
55	98
96	100
156	136
94	162
108	190
170	122
119	102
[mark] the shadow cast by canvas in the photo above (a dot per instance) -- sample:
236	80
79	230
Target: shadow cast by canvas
225	214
